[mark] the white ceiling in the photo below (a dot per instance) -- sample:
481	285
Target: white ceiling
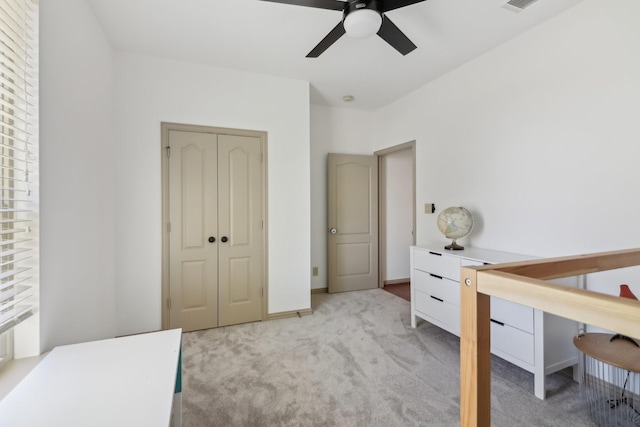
273	39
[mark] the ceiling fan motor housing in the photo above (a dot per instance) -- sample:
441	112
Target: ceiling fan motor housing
365	22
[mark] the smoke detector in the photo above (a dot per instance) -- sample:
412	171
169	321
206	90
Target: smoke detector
518	5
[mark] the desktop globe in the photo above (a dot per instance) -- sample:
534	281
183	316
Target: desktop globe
455	223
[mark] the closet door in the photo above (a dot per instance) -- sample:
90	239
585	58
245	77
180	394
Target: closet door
193	265
216	237
240	228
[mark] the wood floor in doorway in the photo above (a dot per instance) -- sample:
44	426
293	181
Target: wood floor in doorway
402	290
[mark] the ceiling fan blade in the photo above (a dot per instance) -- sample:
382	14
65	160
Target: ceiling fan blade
396	38
331	38
319	4
388	5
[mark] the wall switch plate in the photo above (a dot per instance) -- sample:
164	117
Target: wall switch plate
315	271
429	208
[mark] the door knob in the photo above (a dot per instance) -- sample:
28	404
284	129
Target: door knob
224	239
333	231
212	239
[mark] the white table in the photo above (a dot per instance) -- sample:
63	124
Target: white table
128	381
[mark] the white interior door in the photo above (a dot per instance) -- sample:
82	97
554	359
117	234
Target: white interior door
352	244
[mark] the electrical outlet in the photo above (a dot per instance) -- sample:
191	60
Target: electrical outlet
315	271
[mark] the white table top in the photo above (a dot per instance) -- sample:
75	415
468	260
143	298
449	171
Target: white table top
121	382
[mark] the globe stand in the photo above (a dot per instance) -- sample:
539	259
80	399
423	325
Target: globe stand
454	246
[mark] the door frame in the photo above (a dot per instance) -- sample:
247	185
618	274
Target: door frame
165	127
382	213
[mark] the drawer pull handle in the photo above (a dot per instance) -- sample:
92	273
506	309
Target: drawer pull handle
435	253
437	299
436	276
497	322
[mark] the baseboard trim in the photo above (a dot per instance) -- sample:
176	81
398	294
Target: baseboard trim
319	291
287	314
395	281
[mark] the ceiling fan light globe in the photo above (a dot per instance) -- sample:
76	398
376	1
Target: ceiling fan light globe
362	23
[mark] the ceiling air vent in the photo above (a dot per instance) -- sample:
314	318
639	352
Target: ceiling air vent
518	5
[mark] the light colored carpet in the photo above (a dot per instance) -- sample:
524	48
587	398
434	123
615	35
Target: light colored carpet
355	362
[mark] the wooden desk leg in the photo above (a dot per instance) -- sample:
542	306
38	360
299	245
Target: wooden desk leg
475	356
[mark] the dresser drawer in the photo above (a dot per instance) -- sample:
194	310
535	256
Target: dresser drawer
438	264
512	314
441	288
512	342
441	313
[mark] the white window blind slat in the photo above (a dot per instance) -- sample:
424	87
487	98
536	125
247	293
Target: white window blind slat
10	80
13	221
13	242
14	306
3	146
12	68
18	181
22	169
12	118
18	160
14	136
22	162
10	273
16	209
13	16
12	230
12	252
12	45
16	291
9	315
13	201
13	316
14	282
20	260
19	107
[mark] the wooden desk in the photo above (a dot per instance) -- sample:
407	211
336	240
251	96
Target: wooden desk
128	381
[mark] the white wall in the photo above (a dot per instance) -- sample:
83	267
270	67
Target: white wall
152	90
537	138
77	177
333	130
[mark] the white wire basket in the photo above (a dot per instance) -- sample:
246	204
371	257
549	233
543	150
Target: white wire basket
609	375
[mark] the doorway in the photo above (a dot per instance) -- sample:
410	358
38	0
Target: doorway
370	217
397	213
214	226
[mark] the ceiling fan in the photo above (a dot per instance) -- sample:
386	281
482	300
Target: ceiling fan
360	18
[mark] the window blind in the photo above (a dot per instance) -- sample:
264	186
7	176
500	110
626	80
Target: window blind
18	160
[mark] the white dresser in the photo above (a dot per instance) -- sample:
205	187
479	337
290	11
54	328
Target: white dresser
536	341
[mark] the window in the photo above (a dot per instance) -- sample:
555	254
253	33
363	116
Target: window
18	167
